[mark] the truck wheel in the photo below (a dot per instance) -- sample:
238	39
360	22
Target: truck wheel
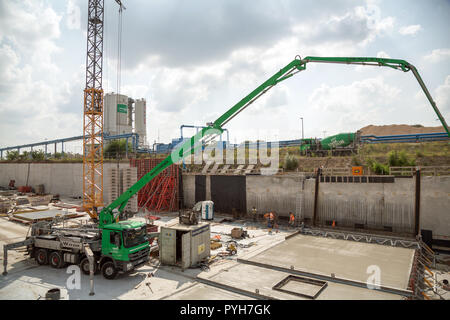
84	266
41	256
56	260
109	271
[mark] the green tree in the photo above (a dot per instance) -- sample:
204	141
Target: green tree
377	167
399	159
37	155
58	155
25	156
116	147
12	155
290	162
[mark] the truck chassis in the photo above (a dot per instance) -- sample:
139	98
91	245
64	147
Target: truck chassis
77	246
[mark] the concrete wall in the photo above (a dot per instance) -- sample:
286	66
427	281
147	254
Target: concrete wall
375	205
278	193
65	179
435	206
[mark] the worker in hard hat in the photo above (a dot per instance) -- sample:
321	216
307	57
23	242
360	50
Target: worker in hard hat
254	214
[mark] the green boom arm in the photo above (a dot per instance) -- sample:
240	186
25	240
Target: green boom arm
190	146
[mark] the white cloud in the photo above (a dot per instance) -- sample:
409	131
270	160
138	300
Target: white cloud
438	55
351	105
410	30
359	26
33	91
443	97
382	54
73	20
31	28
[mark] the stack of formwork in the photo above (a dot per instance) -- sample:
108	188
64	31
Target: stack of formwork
128	178
161	193
112	185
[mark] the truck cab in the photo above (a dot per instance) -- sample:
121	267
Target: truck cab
125	247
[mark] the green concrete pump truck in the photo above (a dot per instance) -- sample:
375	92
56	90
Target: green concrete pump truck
114	246
342	144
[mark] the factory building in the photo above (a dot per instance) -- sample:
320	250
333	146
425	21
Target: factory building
123	114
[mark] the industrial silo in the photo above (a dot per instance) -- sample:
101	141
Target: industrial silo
140	123
116	114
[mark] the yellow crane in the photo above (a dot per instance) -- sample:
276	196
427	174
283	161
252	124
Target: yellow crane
93	110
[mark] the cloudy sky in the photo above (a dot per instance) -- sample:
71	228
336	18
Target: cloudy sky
192	60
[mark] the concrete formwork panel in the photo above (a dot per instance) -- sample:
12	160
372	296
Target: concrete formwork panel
189	190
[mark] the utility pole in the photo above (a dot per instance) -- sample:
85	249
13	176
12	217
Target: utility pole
303	135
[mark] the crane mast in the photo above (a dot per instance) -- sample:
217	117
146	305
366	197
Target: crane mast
93	111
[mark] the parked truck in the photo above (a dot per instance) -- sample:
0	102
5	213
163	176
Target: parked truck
115	248
342	144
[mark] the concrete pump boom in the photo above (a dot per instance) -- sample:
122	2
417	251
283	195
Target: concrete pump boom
107	215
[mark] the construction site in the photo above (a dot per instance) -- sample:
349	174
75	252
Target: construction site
357	215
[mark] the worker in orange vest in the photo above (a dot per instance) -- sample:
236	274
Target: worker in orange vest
270	219
291	219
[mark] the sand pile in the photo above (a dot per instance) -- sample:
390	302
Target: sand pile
398	129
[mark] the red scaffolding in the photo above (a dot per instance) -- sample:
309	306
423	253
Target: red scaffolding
160	194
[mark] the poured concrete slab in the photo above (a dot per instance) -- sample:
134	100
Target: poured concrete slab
254	279
204	292
345	259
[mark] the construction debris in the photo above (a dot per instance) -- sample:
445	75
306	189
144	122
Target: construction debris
5	206
238	233
40	200
215	245
24	189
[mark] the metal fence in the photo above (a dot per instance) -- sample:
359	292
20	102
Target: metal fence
427	171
